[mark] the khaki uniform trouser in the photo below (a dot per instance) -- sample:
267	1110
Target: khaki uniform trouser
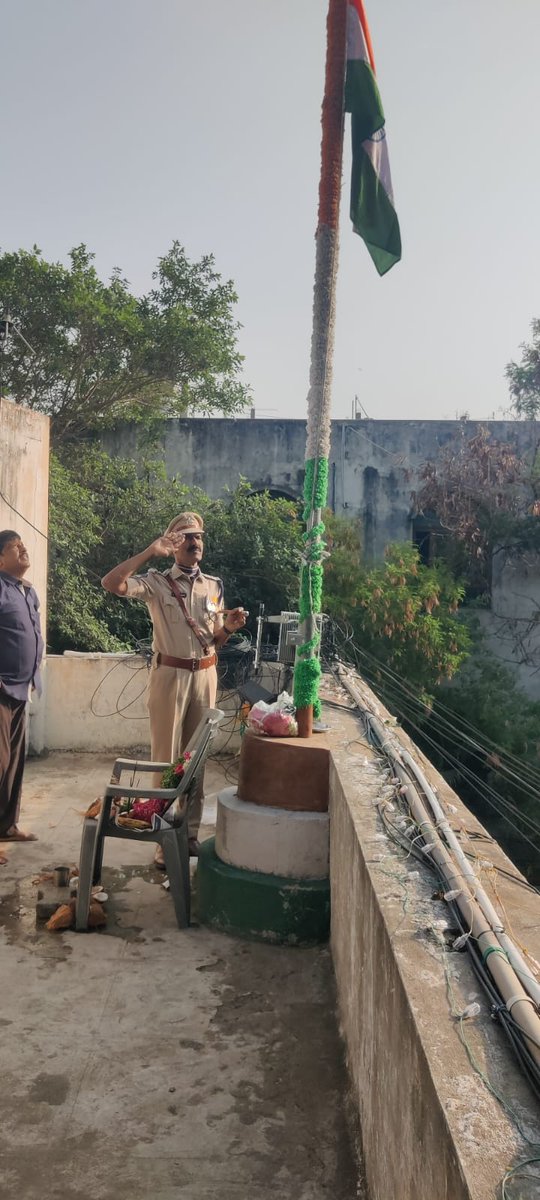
176	701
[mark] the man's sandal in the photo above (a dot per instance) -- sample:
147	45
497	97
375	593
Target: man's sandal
17	835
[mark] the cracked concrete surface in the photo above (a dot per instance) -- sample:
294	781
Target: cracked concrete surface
144	1061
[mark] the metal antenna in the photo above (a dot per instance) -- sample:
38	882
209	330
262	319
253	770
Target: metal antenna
9	326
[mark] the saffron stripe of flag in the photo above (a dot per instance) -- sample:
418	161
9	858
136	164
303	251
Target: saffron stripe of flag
372	202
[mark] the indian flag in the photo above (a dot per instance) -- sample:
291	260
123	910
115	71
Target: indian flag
372	203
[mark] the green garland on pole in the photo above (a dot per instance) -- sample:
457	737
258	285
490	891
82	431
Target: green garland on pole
307	670
315	485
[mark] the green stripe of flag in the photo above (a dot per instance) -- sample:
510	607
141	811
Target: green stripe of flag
372	212
362	97
372	205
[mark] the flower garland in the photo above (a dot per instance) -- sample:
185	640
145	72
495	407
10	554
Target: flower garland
307	671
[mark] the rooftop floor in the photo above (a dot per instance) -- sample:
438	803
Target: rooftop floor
147	1062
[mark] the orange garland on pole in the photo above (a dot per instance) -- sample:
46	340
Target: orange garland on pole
307	668
332	115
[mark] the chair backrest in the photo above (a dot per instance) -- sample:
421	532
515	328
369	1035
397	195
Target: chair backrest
198	747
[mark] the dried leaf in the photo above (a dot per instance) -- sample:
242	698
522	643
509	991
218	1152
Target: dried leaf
95	808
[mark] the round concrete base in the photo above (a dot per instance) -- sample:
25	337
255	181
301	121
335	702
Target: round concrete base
275	841
264	908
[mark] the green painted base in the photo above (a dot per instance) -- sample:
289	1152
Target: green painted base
263	908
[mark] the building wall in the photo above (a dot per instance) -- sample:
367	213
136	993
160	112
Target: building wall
374	465
512	626
24	499
375	469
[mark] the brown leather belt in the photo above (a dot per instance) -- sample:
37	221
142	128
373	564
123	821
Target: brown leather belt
185	664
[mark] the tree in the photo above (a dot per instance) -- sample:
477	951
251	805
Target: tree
104	510
402	616
482	494
100	512
76	614
524	378
483	736
254	544
100	354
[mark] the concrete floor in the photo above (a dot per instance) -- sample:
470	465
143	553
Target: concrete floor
144	1062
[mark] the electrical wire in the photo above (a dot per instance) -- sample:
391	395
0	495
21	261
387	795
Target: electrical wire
502	806
458	720
116	711
347	638
498	1008
25	519
499	1011
396	685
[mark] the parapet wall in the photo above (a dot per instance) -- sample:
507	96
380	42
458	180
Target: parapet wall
96	702
431	1129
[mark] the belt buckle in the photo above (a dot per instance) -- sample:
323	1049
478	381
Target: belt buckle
193	664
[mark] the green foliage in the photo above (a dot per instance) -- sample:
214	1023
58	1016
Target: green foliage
401	612
76	618
524	378
489	699
104	510
133	504
101	354
254	543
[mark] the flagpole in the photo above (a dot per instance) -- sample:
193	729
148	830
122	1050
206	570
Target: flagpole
307	668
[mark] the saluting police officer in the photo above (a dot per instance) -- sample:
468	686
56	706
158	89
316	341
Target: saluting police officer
189	623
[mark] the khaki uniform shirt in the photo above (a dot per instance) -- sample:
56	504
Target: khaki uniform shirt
172	634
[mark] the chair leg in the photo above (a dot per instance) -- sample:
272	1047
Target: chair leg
182	836
86	871
176	856
98	858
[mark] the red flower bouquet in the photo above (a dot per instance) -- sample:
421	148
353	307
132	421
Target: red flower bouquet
139	813
143	810
172	776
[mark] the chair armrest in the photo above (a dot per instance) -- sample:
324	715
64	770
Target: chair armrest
115	790
137	764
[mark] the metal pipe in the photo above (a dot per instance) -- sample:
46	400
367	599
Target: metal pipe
519	1004
515	958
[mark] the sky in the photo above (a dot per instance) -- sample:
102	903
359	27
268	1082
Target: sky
128	124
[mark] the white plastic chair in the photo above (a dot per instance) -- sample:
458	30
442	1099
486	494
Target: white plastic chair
173	839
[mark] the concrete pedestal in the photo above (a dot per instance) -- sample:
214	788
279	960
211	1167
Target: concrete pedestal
271	840
264	908
265	876
290	773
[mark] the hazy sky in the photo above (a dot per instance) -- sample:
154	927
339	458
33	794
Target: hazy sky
126	124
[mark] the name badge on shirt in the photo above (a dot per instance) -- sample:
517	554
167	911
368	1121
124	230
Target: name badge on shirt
212	604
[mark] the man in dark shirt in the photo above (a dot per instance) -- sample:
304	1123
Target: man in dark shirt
21	650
